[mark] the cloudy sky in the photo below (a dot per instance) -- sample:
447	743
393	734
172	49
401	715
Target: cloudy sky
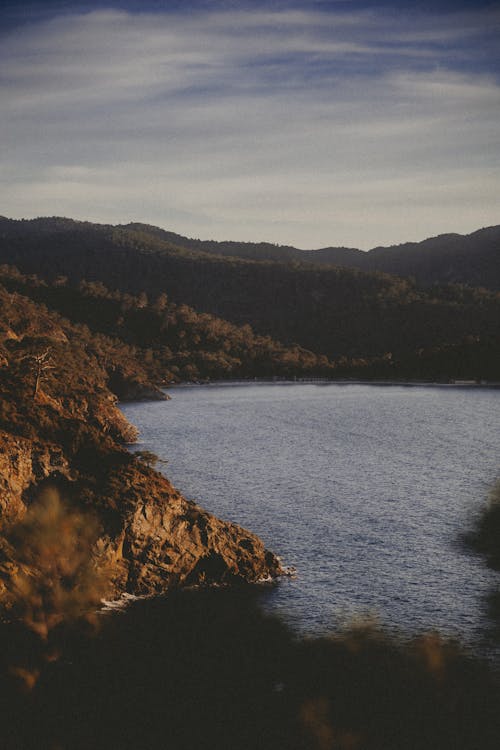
305	123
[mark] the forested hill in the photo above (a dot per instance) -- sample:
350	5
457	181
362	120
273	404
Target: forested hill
337	312
472	259
449	258
159	342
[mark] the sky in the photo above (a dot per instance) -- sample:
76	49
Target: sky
313	124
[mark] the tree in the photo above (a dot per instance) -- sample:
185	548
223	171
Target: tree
40	363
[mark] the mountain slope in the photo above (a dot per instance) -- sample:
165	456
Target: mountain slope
163	340
337	312
472	259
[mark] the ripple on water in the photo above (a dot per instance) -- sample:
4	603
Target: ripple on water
366	490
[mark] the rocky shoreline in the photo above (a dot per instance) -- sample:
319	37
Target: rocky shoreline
68	437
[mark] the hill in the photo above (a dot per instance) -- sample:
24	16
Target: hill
159	342
351	317
472	259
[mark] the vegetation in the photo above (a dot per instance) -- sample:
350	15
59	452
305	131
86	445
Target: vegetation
161	341
207	669
486	537
54	376
471	259
369	323
67	426
54	580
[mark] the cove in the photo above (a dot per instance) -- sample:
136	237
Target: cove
366	490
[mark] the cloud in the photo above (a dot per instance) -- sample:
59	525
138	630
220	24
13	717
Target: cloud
309	128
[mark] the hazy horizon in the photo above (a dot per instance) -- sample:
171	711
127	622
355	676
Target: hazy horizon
235	239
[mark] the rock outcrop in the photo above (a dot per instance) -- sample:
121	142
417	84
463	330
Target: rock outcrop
65	433
24	464
150	537
163	540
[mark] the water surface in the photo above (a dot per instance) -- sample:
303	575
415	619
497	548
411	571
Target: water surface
366	490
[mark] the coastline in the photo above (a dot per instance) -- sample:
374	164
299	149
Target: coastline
325	381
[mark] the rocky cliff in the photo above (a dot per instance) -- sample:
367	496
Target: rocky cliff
149	537
60	429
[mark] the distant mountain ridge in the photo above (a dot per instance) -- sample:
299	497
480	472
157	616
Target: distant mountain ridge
259	251
447	258
472	259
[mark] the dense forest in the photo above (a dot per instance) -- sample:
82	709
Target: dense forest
164	341
167	342
329	320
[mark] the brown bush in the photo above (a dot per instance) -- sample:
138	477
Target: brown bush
57	577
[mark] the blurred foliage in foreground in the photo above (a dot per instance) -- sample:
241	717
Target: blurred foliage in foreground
486	537
206	669
49	559
57	579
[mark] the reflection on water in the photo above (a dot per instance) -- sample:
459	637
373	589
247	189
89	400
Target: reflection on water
366	490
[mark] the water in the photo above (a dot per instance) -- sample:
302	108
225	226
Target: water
367	490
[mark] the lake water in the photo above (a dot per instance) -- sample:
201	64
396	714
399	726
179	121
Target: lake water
366	490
